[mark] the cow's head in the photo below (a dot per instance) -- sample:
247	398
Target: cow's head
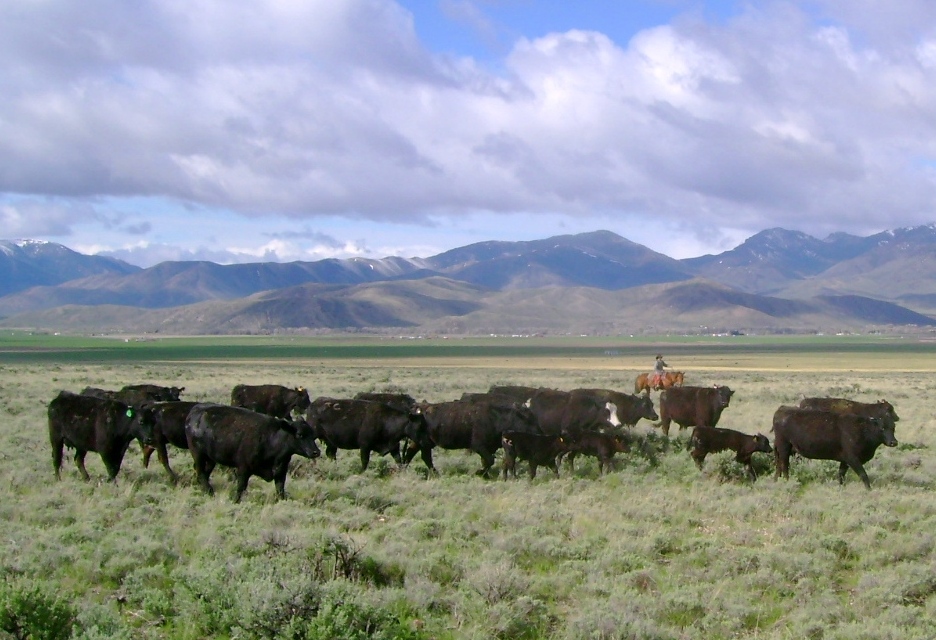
724	395
417	429
300	401
885	428
305	435
645	408
621	443
888	409
761	443
142	422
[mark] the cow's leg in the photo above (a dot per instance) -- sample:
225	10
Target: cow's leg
147	453
570	460
112	465
533	466
331	451
781	458
203	469
487	459
365	458
509	466
79	462
395	452
410	449
699	456
858	468
750	471
664	425
58	446
746	460
163	456
280	483
242	477
605	464
555	467
426	455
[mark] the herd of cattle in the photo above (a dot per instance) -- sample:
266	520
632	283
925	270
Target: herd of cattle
265	425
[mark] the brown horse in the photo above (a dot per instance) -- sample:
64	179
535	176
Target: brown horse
667	380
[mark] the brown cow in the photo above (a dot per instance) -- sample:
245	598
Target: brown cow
827	435
693	406
706	440
880	409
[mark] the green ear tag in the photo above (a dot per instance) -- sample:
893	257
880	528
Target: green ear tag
129	413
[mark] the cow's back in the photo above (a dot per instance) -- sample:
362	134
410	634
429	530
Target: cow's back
222	432
87	422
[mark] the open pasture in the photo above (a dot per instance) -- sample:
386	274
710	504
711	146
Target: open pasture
654	549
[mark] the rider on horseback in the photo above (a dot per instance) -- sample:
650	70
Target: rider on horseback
656	378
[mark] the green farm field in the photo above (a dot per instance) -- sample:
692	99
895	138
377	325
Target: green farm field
654	549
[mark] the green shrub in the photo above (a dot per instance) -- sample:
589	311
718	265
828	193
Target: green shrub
31	611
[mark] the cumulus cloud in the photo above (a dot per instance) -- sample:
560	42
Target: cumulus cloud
815	116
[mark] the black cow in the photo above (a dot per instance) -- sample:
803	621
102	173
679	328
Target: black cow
168	428
271	399
536	449
518	392
880	409
254	444
828	435
476	425
399	400
134	397
85	423
367	426
157	392
693	406
572	412
598	445
706	440
630	408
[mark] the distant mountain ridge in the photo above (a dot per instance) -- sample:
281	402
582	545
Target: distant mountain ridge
777	279
32	263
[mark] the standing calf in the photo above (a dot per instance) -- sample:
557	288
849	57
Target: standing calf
538	450
706	440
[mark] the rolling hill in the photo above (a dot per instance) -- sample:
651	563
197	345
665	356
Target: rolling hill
596	282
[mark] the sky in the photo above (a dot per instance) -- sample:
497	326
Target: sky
281	130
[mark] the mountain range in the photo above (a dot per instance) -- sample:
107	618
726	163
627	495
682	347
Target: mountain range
595	283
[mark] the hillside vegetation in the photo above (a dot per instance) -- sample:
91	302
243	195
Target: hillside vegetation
595	283
654	549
